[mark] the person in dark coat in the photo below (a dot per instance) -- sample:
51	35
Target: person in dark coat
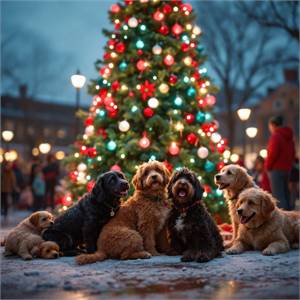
51	174
279	162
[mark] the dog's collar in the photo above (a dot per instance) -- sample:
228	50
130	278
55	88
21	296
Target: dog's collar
113	209
183	210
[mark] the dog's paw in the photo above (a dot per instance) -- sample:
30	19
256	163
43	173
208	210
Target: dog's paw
155	253
227	244
81	259
202	257
269	252
27	257
233	251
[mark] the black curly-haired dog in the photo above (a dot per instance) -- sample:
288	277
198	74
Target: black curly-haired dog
82	223
192	231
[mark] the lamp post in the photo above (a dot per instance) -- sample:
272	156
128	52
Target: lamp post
244	115
251	133
7	136
78	82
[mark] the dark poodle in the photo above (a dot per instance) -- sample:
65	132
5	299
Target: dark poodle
82	223
192	231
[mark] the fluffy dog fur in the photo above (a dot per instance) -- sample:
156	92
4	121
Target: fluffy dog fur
263	226
193	232
82	223
25	240
132	233
233	179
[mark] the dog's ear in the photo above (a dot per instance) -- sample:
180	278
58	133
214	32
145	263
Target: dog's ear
242	178
137	181
34	219
98	186
268	204
198	188
167	174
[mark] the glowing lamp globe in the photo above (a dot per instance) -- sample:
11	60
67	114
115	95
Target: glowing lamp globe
111	146
156	50
45	148
133	22
202	152
144	142
168	60
7	135
124	126
244	113
174	149
78	80
251	132
263	153
153	103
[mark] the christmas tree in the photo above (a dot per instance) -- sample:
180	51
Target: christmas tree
152	101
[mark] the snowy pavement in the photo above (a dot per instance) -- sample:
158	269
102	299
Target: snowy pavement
247	276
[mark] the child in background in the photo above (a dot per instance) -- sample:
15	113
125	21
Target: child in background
39	189
260	175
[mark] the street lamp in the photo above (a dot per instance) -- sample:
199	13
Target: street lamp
7	136
251	132
244	115
78	82
44	148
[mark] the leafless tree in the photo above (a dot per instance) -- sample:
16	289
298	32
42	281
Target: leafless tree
243	56
27	58
283	15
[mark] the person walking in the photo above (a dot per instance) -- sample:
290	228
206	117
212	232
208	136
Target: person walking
51	174
38	189
260	175
279	162
8	185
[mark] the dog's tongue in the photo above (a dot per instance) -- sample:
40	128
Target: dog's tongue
182	193
243	220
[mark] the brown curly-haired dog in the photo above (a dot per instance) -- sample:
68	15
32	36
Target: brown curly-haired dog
263	226
132	233
27	235
233	179
193	232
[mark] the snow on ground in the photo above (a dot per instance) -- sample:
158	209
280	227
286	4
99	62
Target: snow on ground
247	276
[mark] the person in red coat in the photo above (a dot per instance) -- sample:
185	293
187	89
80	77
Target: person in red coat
260	174
279	162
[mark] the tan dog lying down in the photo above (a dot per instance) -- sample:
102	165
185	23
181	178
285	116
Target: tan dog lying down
25	240
263	226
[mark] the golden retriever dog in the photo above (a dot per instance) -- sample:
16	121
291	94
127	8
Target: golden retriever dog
133	232
233	179
263	226
24	239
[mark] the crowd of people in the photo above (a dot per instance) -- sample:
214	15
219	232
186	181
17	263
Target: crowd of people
277	174
34	190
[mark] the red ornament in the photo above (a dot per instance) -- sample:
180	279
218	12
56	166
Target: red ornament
89	121
169	60
115	85
201	102
91	152
186	8
207	188
120	47
158	16
140	52
73	176
148	112
90	185
102	132
190	118
164	30
144	142
141	65
111	43
220	165
83	150
167	9
147	89
106	55
168	165
115	8
220	148
115	168
67	200
192	138
172	79
177	29
184	47
105	71
174	149
210	100
128	2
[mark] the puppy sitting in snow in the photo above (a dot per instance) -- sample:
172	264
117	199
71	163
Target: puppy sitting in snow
192	231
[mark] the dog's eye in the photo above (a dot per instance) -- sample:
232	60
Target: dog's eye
44	219
229	172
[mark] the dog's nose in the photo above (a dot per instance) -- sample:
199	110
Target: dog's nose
240	211
218	176
154	176
55	255
51	222
125	185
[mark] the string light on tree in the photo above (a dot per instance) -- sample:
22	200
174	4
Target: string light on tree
124	126
153	102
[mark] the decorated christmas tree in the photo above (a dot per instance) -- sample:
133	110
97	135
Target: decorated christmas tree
152	101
